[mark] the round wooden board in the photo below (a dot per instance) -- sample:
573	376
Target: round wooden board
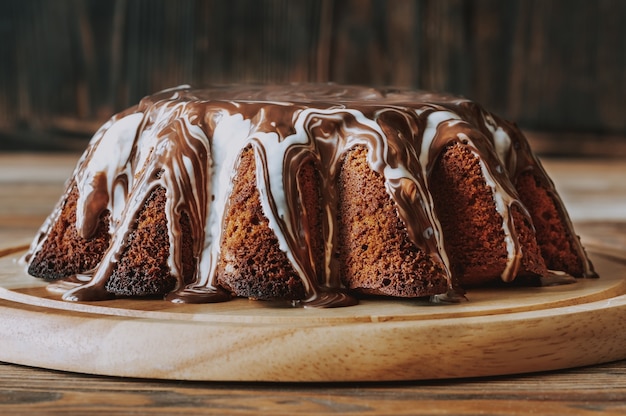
497	331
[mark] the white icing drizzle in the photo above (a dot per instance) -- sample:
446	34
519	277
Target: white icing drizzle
230	136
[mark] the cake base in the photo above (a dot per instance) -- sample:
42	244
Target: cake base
497	331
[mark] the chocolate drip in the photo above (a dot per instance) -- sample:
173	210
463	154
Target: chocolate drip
198	295
329	299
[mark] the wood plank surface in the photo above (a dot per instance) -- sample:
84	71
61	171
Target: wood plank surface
598	390
552	66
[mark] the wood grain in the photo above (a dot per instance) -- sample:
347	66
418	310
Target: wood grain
557	66
599	390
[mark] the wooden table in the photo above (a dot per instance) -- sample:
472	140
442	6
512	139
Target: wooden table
595	192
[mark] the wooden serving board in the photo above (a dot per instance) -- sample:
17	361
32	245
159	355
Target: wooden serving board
497	331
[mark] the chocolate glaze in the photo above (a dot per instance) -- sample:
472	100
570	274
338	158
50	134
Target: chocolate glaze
203	294
188	142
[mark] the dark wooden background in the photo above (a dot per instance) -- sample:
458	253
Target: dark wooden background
556	67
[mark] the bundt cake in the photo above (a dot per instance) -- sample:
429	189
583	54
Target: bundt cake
309	193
